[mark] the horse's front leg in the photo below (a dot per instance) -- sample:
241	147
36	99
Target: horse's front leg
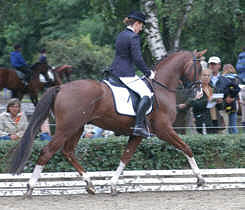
168	134
133	142
195	169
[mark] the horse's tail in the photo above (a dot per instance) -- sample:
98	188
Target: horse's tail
23	150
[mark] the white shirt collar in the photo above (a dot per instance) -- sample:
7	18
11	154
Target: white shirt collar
131	28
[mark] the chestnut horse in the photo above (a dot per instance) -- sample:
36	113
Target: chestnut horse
63	72
87	101
10	80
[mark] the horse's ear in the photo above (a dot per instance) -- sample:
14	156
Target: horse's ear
201	53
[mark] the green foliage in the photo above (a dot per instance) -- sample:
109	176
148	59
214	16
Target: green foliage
210	151
216	25
88	60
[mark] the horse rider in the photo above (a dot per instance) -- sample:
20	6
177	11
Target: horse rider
128	53
19	63
43	56
43	59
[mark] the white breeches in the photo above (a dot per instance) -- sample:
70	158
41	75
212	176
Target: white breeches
137	85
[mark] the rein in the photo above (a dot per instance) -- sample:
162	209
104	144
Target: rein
163	85
192	84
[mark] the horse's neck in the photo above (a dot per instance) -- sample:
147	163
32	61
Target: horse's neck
170	78
170	71
35	74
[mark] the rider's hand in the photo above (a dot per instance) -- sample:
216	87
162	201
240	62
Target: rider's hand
152	76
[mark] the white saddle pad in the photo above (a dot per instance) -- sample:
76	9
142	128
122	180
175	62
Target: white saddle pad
122	100
42	78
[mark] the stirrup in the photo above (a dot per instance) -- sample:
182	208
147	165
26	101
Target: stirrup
141	132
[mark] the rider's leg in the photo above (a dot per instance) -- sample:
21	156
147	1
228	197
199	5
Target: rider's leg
27	74
140	128
136	84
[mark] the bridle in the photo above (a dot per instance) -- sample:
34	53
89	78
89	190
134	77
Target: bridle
184	79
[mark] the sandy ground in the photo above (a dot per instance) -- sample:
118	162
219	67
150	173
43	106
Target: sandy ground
194	200
208	200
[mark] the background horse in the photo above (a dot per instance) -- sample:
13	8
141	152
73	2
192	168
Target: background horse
10	80
87	101
63	72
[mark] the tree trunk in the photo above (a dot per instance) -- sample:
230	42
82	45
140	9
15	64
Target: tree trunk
181	25
154	39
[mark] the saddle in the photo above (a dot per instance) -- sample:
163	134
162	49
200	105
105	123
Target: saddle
125	99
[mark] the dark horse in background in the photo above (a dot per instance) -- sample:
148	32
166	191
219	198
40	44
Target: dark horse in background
88	101
10	80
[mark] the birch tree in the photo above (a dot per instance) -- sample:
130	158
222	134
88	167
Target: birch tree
152	30
181	24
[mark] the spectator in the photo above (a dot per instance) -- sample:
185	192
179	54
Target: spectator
45	131
228	84
13	122
242	103
204	63
97	132
231	96
240	66
19	63
199	105
230	99
92	132
214	63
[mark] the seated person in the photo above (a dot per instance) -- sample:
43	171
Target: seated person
18	62
13	122
45	134
92	131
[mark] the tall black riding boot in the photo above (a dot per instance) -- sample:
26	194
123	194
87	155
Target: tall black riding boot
140	129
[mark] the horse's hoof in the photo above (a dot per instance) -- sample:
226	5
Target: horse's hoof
114	191
90	188
200	182
28	194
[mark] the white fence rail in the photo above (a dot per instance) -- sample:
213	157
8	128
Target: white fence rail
130	181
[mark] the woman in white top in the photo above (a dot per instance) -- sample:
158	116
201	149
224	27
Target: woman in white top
13	122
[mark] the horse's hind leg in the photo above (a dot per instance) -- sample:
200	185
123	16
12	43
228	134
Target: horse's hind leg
68	151
47	152
133	142
169	135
